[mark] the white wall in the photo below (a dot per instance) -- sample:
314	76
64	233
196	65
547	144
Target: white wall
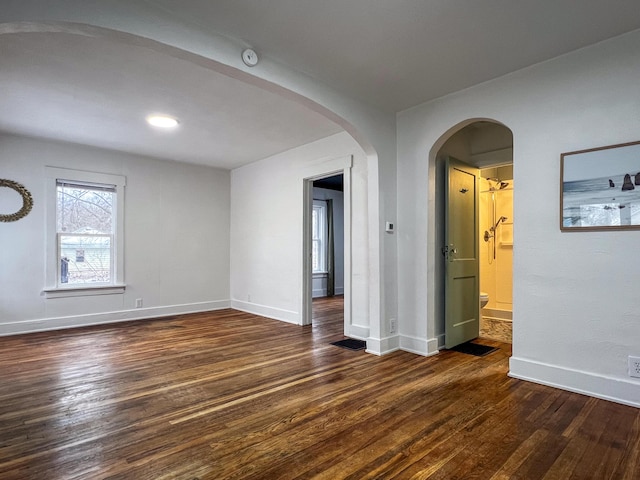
319	287
267	230
575	311
176	238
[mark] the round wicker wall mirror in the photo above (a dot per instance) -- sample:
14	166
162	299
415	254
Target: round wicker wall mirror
27	201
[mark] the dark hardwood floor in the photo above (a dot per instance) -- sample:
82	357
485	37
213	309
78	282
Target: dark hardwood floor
230	395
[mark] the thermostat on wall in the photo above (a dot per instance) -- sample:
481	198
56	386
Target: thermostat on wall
389	227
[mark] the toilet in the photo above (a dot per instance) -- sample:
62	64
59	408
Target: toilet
484	299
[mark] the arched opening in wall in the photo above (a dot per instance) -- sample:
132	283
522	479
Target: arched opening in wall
229	119
473	223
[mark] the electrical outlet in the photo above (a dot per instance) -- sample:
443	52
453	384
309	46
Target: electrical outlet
138	303
393	325
249	297
634	366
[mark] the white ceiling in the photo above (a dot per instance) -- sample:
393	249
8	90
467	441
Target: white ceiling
97	92
390	53
399	53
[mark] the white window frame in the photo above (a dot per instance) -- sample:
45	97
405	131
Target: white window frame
321	207
54	289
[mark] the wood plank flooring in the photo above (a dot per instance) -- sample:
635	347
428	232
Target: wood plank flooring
229	395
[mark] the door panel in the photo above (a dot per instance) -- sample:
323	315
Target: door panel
462	283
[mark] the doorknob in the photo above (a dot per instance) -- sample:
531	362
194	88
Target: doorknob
448	251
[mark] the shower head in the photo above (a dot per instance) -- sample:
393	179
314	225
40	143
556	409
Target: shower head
500	220
497	184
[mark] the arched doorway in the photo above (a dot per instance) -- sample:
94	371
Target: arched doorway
486	147
201	55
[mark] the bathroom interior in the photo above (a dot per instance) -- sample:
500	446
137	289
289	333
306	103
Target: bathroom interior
496	252
488	146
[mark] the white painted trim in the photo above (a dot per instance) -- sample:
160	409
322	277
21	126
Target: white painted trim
59	323
419	346
83	291
327	166
269	312
322	169
375	251
52	175
358	331
374	346
626	392
383	346
390	344
345	290
434	344
306	305
55	173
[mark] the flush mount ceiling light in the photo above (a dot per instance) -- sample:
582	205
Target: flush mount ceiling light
162	121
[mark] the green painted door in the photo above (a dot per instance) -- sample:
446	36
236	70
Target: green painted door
462	283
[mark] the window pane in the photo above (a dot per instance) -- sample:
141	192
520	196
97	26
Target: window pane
83	209
315	262
314	223
93	266
86	242
319	232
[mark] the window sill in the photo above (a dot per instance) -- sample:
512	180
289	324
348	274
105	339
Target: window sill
83	291
319	274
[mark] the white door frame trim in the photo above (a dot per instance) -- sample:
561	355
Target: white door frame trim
336	166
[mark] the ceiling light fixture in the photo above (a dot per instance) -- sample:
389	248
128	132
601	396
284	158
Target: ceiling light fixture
162	121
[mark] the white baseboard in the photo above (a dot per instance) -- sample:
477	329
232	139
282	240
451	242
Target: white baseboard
383	346
434	345
373	346
59	323
269	312
322	292
419	346
626	392
359	332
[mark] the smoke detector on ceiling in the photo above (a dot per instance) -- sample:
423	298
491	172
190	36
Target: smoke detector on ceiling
250	57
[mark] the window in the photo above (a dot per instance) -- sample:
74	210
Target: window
84	252
319	236
85	233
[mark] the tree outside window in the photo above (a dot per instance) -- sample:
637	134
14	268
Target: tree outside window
85	233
